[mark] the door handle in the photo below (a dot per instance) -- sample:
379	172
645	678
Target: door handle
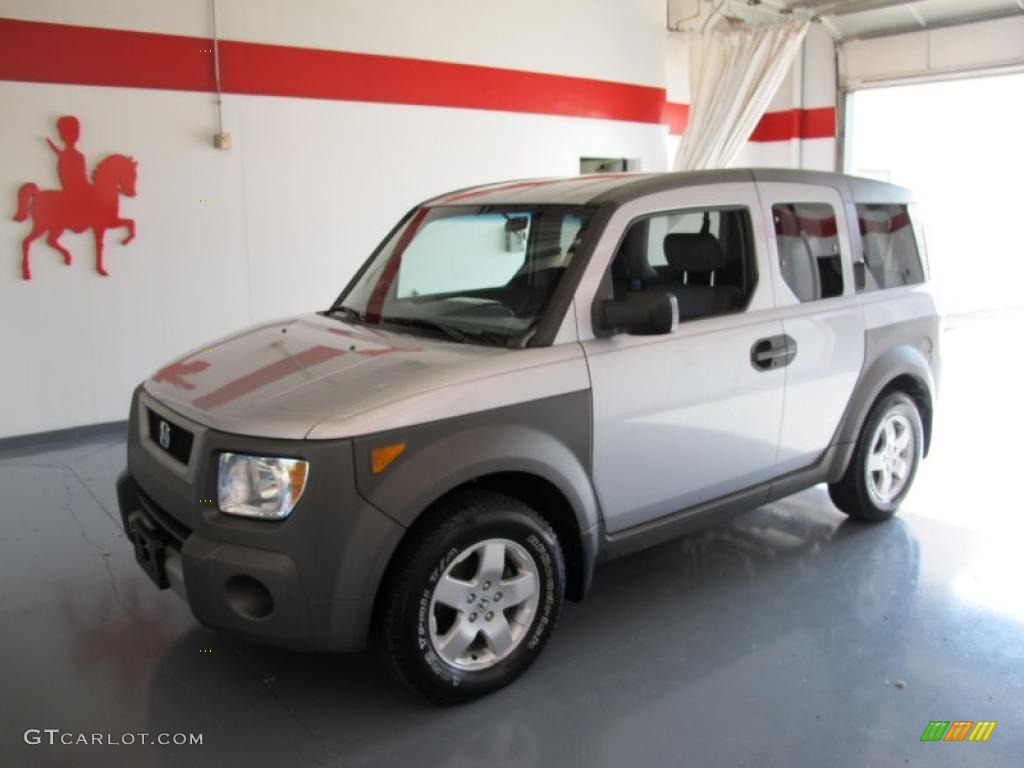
772	352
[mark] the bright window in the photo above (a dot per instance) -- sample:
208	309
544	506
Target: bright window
958	146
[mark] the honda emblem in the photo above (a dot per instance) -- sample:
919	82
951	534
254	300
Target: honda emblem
165	436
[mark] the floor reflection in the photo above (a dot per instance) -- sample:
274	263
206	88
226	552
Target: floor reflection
659	626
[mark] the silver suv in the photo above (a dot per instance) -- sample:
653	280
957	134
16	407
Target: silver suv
526	379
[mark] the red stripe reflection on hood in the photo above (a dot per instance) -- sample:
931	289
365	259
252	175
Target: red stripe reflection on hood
277	370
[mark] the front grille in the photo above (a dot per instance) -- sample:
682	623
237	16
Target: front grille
179	531
171	438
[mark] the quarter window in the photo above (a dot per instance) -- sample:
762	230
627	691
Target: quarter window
889	247
809	255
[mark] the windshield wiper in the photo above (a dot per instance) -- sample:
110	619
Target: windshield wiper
455	334
352	315
422	322
494	338
481	336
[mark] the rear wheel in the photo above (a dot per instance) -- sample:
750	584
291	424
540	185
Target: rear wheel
884	462
476	597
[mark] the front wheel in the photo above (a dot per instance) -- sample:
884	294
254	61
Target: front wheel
884	462
476	598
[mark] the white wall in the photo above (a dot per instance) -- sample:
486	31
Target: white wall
308	189
617	40
278	224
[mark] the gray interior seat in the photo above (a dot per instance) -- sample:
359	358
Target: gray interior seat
693	258
799	267
630	269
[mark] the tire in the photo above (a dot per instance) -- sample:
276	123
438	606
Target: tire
451	656
862	492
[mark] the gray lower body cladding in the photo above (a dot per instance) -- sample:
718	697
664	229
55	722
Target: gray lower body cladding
538	451
908	348
320	567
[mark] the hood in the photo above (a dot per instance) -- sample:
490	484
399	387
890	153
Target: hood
281	379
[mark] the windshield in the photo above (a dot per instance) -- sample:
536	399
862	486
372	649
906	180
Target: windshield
470	273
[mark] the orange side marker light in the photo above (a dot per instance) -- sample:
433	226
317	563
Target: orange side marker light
381	458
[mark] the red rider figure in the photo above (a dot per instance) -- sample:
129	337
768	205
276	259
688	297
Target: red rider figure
71	167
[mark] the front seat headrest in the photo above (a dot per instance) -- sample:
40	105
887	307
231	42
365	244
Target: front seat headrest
693	252
630	262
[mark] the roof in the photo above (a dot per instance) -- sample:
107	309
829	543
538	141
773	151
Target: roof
619	188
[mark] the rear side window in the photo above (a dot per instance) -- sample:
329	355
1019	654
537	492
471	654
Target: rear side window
890	254
809	255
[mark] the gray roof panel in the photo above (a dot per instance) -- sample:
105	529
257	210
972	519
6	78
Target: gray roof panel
567	190
619	188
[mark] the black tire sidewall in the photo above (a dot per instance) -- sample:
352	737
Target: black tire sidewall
410	639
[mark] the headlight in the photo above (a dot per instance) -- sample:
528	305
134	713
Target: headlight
258	486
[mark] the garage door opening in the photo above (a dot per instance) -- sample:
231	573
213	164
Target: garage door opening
957	145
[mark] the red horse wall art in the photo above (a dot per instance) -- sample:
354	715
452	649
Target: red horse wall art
80	204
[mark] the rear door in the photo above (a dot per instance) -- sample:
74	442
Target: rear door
809	249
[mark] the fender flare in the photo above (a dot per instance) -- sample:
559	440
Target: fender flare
896	361
430	469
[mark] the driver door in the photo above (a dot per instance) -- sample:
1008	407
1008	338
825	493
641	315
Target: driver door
687	417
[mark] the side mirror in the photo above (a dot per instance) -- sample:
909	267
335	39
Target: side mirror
859	275
652	312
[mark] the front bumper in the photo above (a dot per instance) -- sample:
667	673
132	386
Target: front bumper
308	582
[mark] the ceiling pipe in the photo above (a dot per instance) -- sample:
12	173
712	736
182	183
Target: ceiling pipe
846	8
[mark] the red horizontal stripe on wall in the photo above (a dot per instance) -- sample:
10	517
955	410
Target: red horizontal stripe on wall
817	123
283	71
676	117
58	53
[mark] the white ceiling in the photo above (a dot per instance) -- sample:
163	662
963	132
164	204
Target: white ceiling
850	19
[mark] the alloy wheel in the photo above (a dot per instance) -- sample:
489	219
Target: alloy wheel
890	459
483	604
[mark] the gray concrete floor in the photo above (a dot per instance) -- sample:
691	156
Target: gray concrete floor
788	636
